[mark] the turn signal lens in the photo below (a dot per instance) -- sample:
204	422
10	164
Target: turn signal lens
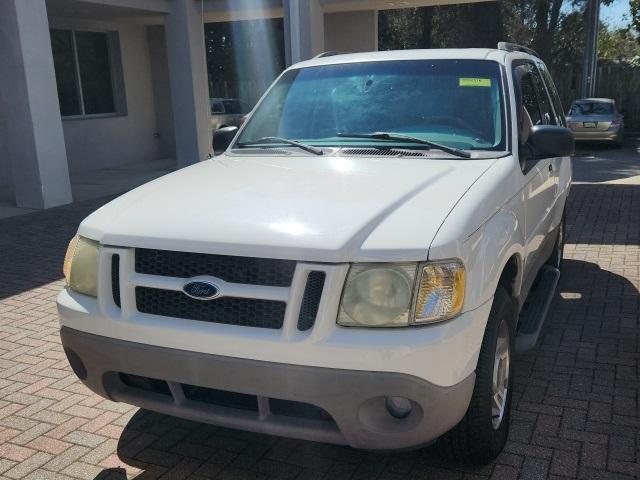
68	258
81	266
440	293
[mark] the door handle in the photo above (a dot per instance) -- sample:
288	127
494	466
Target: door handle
551	167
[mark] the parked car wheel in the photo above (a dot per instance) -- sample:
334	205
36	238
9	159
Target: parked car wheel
482	433
555	259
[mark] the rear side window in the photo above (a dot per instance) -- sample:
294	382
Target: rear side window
535	98
548	117
555	98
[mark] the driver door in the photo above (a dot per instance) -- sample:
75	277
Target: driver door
539	180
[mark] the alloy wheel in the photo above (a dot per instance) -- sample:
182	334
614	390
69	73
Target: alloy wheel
500	383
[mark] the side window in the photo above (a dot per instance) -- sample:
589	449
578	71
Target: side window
535	98
88	72
530	100
548	118
555	98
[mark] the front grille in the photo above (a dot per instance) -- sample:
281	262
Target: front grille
247	270
248	312
288	408
115	279
311	300
145	383
221	398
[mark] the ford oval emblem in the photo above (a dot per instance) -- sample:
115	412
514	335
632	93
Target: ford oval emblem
201	290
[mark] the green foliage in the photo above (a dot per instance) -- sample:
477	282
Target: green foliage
554	28
620	44
447	26
635	16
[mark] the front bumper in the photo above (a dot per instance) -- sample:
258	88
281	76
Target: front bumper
598	136
320	404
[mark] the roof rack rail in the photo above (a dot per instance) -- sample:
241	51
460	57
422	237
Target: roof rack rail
330	54
514	47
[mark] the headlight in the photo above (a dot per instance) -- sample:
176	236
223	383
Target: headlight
440	293
81	266
377	295
388	295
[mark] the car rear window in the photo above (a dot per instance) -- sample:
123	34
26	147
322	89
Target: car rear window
592	108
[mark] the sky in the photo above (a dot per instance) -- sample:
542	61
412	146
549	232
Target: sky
616	14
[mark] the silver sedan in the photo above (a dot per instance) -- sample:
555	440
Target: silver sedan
596	119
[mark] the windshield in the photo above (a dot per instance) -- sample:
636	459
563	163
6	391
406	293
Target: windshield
592	108
457	103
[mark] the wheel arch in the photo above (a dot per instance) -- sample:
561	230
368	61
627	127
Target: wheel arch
511	276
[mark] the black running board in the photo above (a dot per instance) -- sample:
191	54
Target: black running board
536	308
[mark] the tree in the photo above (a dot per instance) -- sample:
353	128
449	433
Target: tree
547	15
618	44
635	16
447	26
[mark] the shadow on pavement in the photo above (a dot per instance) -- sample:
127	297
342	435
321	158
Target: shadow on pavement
32	246
603	214
598	162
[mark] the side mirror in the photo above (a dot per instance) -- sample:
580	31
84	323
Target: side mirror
551	141
222	138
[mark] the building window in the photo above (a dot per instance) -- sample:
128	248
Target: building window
86	72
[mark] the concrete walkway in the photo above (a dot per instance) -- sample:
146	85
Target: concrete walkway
575	401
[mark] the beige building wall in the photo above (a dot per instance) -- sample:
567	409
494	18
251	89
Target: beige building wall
161	91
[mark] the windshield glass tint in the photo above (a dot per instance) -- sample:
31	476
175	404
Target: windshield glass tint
454	102
593	108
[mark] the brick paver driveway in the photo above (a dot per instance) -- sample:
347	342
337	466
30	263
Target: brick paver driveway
576	396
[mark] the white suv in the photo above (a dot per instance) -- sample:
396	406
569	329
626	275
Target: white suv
359	265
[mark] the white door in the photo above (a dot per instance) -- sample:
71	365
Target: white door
540	179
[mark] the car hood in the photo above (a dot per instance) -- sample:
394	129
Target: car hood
330	209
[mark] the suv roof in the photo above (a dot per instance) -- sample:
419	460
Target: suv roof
425	54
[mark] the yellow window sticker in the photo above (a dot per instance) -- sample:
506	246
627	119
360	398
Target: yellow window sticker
474	82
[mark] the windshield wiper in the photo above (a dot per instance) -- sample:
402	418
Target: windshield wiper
303	146
407	138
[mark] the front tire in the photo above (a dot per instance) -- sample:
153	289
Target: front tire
482	433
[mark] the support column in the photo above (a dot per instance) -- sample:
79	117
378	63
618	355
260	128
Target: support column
184	30
29	99
304	29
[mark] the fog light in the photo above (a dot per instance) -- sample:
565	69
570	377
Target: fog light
398	407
